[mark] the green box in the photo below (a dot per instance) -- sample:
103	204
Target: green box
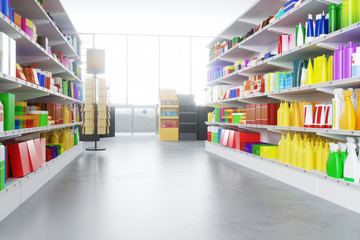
2	178
214	137
19	110
8	101
256	148
65	87
43	119
217	115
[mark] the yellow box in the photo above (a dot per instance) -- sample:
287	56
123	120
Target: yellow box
270	152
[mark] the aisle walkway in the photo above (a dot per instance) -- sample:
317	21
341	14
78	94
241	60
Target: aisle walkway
143	189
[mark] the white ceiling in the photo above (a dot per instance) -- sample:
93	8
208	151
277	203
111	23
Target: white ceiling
164	17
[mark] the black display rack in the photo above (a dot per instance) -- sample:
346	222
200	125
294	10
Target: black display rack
188	124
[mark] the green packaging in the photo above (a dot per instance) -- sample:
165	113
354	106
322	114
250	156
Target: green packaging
217	115
350	10
65	87
339	8
8	101
333	18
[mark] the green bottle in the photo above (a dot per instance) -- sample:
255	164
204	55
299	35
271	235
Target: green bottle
343	152
339	26
334	166
333	18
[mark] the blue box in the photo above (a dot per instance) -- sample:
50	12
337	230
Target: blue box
219	135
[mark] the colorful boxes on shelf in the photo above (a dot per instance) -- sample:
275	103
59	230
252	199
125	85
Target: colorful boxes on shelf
28	27
8	101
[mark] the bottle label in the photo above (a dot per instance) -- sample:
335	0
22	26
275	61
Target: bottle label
356	71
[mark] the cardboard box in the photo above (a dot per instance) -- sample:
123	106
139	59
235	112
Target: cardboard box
4	53
269	113
258	113
250	114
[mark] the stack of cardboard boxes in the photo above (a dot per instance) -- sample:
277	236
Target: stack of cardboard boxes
103	108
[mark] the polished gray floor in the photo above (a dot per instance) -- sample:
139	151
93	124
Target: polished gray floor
144	189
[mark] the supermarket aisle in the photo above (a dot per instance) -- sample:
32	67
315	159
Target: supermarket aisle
144	189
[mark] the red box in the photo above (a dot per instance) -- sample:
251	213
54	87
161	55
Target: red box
269	113
224	139
209	136
244	137
33	155
250	114
19	160
238	92
231	142
242	147
258	113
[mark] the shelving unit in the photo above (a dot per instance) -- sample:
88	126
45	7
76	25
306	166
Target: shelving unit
264	41
188	125
168	125
28	51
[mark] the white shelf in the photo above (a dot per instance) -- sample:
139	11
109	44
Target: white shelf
45	26
17	133
261	41
232	79
28	91
285	129
314	182
29	51
18	190
255	15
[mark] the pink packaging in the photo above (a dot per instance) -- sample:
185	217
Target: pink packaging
292	41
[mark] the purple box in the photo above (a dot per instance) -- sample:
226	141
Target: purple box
249	146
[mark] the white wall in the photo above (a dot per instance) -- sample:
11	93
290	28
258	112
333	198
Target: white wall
159	17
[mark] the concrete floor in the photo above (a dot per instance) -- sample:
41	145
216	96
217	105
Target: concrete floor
144	189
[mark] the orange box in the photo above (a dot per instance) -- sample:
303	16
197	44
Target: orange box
17	20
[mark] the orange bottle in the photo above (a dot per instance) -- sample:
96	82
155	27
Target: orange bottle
296	118
357	112
347	118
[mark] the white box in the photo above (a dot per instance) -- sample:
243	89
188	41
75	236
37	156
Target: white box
12	57
4	53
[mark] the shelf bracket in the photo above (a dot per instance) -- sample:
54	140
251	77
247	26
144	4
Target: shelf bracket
4	87
282	30
328	45
285	65
31	59
24	96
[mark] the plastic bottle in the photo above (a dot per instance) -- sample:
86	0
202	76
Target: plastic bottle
296	118
317	25
65	115
54	138
347	67
280	114
337	107
282	149
286	115
352	166
324	72
343	152
303	76
64	139
71	135
322	30
338	66
316	146
318	156
350	10
340	16
291	114
294	145
357	11
47	136
308	156
287	146
334	166
325	156
344	22
357	112
333	18
310	33
310	74
300	36
356	63
299	154
347	117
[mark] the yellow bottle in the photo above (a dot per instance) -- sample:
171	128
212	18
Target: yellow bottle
357	112
291	114
324	71
294	145
347	119
72	144
310	74
316	146
318	153
308	156
299	154
296	119
64	139
301	111
288	149
65	115
54	138
282	149
330	68
305	138
286	115
279	114
325	155
47	136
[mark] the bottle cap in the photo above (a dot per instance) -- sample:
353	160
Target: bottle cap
347	93
350	140
342	147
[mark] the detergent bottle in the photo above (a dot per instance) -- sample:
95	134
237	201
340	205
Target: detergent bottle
318	155
282	149
352	166
299	154
72	139
347	117
357	112
64	139
308	156
286	115
296	118
343	152
325	156
334	166
294	145
66	115
47	136
55	138
316	146
291	114
280	114
287	148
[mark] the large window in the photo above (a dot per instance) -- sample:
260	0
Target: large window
137	66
